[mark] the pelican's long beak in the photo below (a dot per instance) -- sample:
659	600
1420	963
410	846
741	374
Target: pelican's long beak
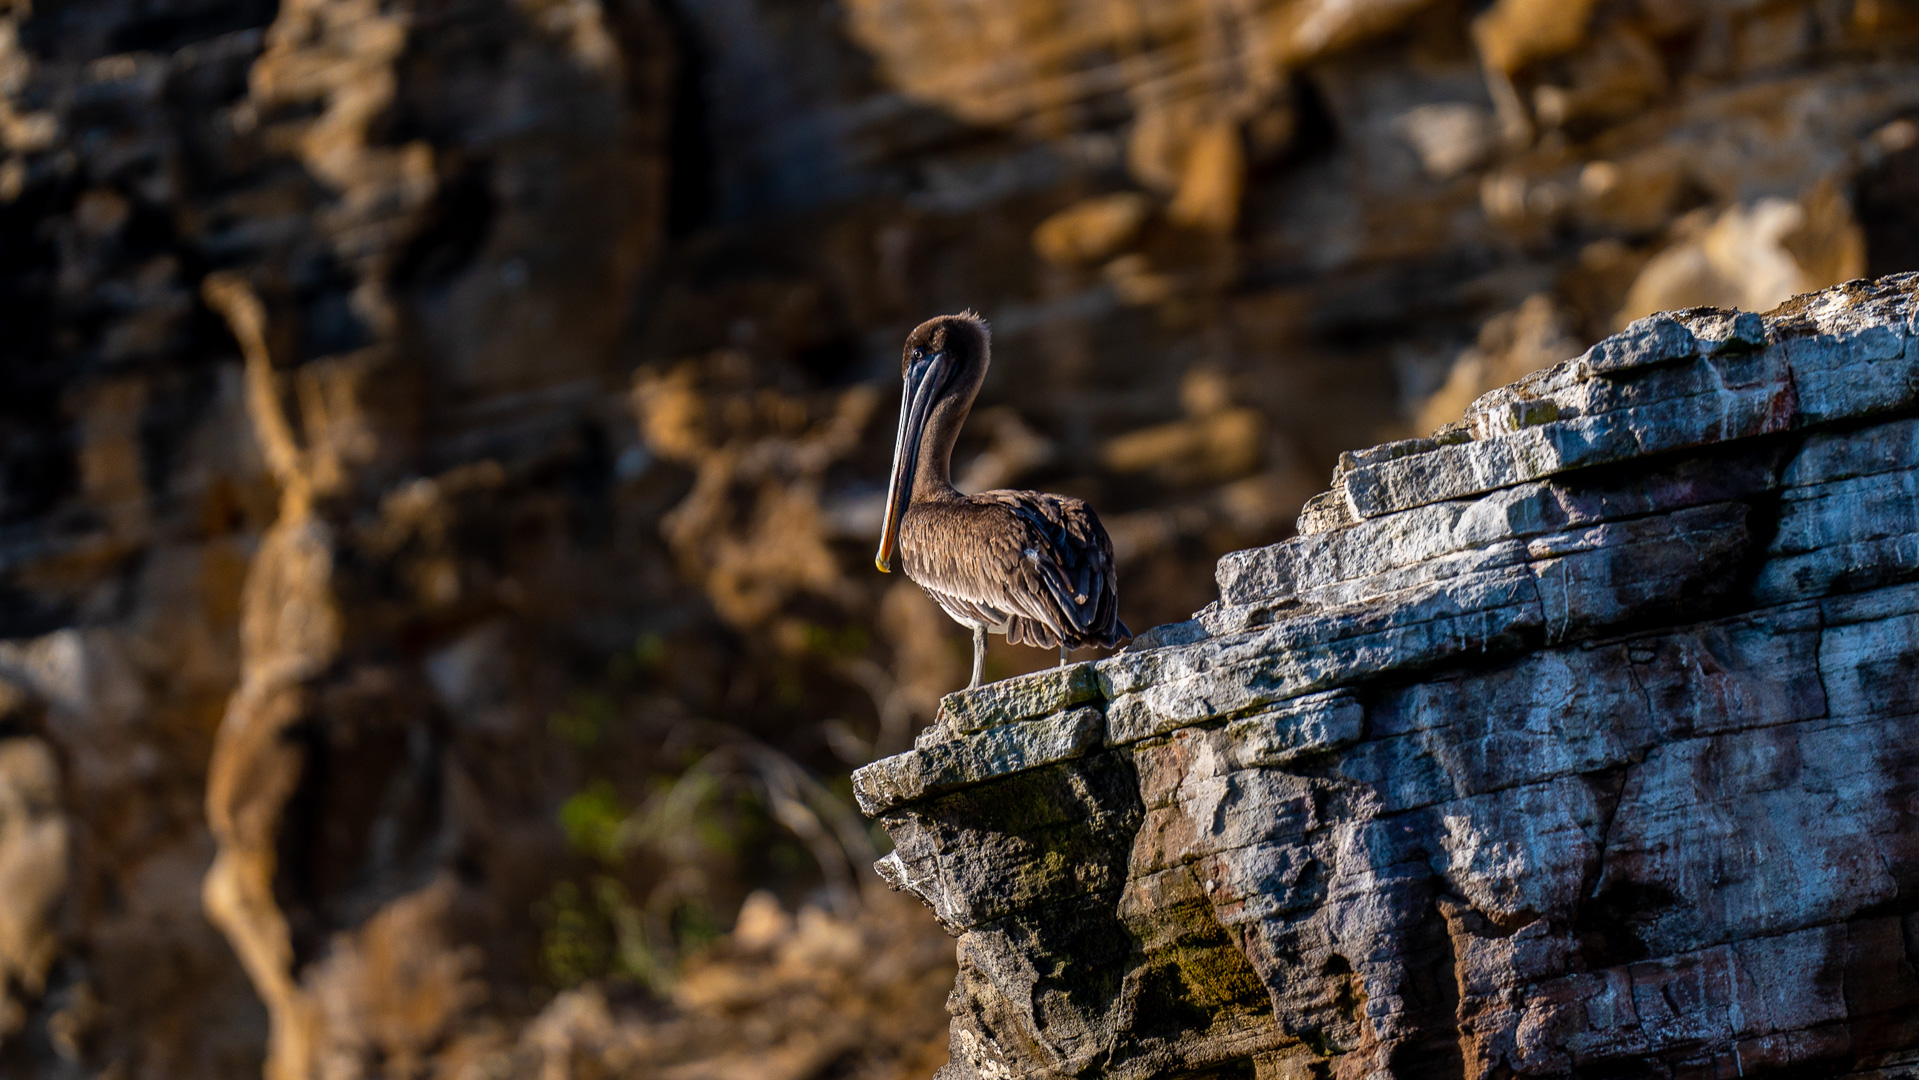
924	380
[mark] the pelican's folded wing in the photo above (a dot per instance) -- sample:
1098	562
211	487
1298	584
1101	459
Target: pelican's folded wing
1040	566
1065	566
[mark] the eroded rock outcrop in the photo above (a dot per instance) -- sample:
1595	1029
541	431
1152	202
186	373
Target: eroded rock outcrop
1575	740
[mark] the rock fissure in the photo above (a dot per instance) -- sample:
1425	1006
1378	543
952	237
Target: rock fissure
1567	742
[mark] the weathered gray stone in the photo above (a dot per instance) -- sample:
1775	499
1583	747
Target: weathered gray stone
1006	748
1721	332
1159	637
1020	698
1535	452
1309	567
1309	725
1585	746
1324	512
1255	574
1038	838
1656	339
1873	371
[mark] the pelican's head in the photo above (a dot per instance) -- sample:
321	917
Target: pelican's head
944	359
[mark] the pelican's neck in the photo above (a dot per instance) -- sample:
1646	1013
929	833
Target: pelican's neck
933	476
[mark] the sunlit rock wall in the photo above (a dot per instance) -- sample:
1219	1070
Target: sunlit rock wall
271	273
1576	740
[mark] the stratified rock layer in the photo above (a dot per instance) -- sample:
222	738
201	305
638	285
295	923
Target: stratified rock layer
1576	740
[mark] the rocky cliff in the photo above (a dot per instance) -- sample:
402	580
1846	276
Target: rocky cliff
1577	740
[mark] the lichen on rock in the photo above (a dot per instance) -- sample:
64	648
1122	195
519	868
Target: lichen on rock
1575	740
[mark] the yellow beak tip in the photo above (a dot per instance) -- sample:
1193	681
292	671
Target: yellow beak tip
885	567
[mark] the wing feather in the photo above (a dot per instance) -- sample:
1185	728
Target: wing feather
1036	567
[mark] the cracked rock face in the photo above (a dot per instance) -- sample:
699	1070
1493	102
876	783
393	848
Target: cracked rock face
1576	740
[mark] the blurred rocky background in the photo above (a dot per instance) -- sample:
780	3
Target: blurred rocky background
441	444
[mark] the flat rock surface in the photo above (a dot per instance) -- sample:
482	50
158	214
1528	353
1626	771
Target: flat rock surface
1581	743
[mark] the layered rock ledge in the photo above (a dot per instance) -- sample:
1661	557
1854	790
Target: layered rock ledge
1577	740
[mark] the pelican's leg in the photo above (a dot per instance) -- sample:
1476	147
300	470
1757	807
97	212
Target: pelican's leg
1062	654
979	654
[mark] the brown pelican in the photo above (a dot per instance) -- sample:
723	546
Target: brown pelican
1035	567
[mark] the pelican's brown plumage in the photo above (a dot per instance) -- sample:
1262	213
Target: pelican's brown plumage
1035	567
